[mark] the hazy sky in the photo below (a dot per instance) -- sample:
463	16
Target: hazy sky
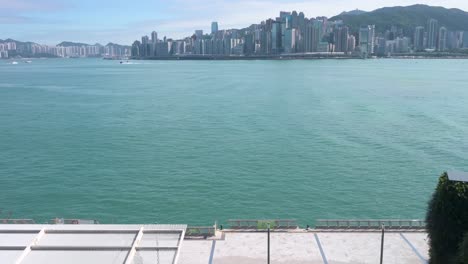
91	21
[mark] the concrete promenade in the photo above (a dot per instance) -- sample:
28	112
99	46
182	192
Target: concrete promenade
302	247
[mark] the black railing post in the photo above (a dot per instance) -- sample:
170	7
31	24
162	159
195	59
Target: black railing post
382	244
268	244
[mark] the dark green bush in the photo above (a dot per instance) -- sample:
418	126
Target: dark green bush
447	220
463	254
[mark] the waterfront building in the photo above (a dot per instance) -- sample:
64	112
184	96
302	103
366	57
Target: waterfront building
276	38
313	35
418	43
154	37
464	43
214	27
290	40
341	39
442	40
382	48
366	40
199	34
454	40
402	44
136	49
323	47
351	43
432	31
249	44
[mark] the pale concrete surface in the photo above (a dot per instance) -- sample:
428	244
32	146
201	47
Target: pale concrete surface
357	248
420	241
195	251
302	248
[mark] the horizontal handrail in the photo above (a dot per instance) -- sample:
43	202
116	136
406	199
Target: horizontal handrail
205	231
17	221
370	223
61	221
263	224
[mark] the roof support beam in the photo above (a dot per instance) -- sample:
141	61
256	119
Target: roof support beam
28	248
179	246
136	242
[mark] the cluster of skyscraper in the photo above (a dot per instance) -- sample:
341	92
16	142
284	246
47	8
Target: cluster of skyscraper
293	33
433	37
5	48
28	49
289	33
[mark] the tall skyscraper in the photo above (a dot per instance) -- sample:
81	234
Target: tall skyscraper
442	40
154	37
351	43
199	34
214	27
432	32
366	39
341	35
418	42
276	37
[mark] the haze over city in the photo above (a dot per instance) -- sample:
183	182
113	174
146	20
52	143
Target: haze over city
52	21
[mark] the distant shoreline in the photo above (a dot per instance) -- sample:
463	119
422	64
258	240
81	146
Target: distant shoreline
213	58
263	57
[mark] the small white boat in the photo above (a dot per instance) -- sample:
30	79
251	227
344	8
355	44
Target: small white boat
15	62
28	61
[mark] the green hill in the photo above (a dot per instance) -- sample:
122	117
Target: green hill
406	18
69	44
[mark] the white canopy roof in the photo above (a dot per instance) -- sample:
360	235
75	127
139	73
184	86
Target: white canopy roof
100	244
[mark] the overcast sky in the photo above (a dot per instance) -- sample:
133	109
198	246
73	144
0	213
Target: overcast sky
91	21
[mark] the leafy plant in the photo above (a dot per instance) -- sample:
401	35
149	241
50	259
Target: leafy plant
447	220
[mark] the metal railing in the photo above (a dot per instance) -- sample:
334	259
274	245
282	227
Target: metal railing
200	231
370	224
17	221
262	224
61	221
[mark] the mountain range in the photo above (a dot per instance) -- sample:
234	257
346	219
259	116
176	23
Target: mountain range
405	17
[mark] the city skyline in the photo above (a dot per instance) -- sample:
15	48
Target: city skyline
50	21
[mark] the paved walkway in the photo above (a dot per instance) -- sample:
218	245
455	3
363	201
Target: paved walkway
307	248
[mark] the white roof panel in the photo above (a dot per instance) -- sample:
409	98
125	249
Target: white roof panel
100	244
458	176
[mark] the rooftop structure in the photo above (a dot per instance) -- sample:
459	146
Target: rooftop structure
100	244
458	176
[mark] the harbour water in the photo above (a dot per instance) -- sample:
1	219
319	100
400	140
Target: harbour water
198	141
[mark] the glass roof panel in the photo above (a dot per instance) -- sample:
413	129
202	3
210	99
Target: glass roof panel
76	257
9	256
154	257
159	240
88	240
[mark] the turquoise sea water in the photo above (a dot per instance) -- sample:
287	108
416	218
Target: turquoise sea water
198	141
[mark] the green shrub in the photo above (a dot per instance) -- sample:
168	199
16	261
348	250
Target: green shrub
463	250
447	220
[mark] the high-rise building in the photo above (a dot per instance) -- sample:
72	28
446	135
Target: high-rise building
214	27
351	43
418	42
199	34
276	37
154	37
289	40
454	40
366	40
464	37
442	39
313	35
341	39
432	30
